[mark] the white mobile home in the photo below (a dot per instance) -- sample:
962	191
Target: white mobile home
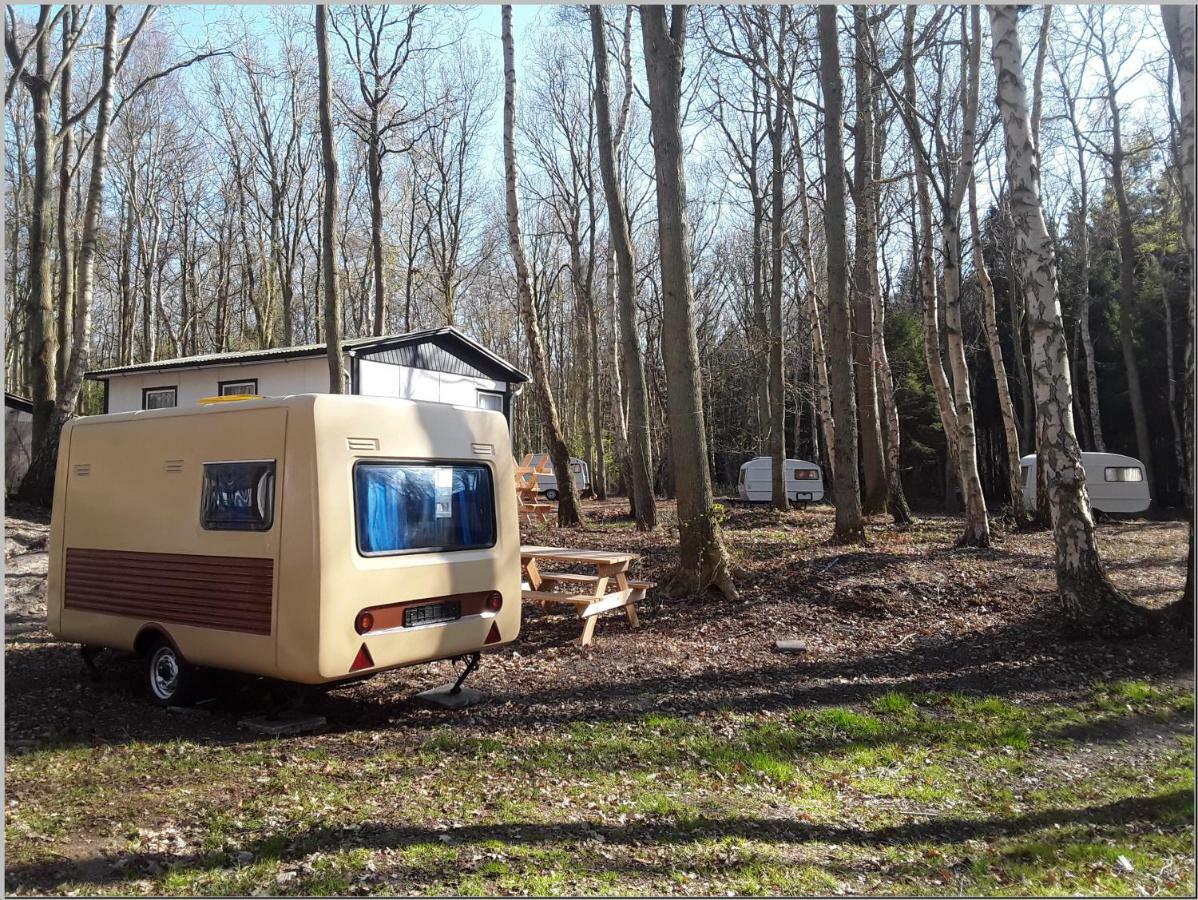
440	365
804	480
1114	482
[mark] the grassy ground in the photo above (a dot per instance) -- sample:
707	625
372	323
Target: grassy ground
943	736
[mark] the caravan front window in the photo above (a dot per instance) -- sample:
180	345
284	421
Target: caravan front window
408	507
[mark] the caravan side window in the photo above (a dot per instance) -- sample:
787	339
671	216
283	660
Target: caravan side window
1123	473
238	496
406	507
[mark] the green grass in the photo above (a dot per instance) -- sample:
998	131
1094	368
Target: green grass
911	793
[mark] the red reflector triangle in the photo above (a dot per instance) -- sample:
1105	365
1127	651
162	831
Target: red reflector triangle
493	635
362	661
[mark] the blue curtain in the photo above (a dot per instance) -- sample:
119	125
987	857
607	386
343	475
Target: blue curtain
397	508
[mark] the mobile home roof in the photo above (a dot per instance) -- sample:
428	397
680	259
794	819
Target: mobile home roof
478	354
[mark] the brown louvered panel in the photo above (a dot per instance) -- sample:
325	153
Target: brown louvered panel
232	593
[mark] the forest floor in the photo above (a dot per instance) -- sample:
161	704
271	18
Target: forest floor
943	734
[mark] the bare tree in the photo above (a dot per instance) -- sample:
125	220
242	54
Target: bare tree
379	41
568	512
1115	158
864	277
1181	32
1069	72
955	399
328	235
631	364
850	526
1005	404
703	559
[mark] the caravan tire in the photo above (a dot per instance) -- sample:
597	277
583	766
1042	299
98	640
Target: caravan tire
551	495
170	679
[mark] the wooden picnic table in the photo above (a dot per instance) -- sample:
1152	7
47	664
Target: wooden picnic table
588	594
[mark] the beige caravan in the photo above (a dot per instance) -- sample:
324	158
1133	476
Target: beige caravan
312	538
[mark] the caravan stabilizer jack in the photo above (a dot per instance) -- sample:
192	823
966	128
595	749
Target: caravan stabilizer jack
472	662
453	695
89	655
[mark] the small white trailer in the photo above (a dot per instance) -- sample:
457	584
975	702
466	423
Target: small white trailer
547	481
1114	482
804	481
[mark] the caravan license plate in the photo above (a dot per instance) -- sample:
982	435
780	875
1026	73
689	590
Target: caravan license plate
432	613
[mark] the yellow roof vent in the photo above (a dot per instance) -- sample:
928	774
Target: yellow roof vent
231	398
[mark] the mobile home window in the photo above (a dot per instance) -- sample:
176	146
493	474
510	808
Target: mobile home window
246	387
406	507
490	400
807	474
159	398
1124	473
238	496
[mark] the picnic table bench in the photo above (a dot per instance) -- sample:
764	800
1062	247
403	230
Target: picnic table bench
588	594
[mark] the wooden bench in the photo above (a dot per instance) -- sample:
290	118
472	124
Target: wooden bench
588	594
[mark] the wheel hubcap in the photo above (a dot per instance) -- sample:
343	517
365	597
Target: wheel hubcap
164	674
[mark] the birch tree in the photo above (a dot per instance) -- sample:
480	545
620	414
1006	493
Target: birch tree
1086	594
955	399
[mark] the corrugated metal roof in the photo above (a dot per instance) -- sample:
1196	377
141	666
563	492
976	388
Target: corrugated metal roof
17	402
452	343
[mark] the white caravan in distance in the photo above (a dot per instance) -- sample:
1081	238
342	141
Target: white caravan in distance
804	481
1114	482
547	481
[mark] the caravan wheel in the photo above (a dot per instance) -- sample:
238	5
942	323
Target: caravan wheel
551	495
172	680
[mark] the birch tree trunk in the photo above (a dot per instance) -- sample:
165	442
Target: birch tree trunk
1180	30
850	526
631	363
568	513
329	212
1005	404
703	560
927	270
1086	594
977	526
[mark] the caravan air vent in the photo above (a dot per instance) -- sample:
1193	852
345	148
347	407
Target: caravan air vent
362	443
483	449
83	468
173	465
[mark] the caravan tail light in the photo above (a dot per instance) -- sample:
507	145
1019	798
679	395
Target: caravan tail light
494	601
364	622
